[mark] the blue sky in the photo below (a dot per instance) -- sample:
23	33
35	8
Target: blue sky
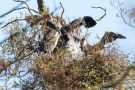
78	8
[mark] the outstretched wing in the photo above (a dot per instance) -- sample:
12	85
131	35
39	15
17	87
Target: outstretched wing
87	21
110	37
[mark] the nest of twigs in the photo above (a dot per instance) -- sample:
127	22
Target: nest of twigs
94	70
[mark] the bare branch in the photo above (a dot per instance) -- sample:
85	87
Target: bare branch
122	78
12	22
25	4
120	11
15	34
23	8
102	15
115	83
3	15
62	10
41	6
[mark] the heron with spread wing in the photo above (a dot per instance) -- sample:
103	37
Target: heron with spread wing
68	37
55	29
108	37
86	21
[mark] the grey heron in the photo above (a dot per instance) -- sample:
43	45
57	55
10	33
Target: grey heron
68	37
108	37
50	27
52	34
86	21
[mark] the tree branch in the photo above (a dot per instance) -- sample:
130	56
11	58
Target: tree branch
25	4
11	36
102	15
41	6
120	11
1	16
62	10
23	8
115	83
12	22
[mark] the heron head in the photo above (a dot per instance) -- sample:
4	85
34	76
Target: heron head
111	36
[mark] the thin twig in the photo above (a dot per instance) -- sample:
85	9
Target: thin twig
25	4
120	11
1	16
19	9
12	22
25	8
11	36
62	10
123	77
102	15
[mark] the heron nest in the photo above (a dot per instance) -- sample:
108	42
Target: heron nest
91	71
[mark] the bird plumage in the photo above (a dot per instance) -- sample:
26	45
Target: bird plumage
68	37
54	29
86	21
51	35
67	30
108	37
49	41
89	22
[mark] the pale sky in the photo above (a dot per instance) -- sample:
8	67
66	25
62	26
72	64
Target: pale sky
79	8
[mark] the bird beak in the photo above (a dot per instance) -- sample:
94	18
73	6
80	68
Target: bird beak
121	36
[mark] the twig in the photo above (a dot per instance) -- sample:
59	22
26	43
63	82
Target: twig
128	69
12	22
11	36
120	11
25	8
18	9
25	4
11	10
62	10
102	15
